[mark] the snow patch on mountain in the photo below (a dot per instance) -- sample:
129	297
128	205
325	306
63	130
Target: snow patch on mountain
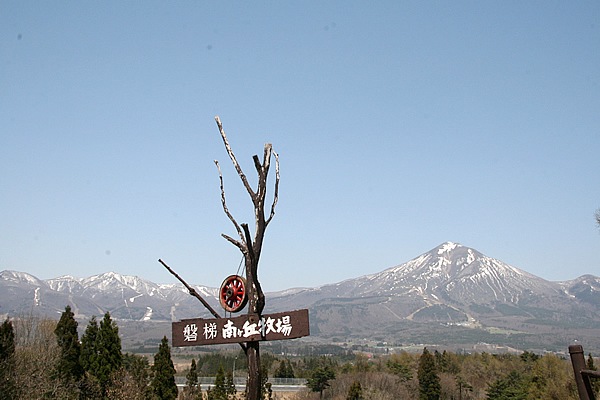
447	247
148	315
20	277
36	297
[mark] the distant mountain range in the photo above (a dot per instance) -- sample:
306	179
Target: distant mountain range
452	296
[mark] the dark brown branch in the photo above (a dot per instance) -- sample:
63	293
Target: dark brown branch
257	303
190	289
237	243
257	165
196	295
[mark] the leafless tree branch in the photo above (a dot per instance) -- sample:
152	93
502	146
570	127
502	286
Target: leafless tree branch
237	243
233	159
226	210
276	192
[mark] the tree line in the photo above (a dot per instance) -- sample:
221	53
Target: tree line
448	376
41	359
430	375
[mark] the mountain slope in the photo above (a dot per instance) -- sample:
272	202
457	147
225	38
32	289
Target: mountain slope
450	294
455	293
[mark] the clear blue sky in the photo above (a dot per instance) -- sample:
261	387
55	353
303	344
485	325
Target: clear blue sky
400	125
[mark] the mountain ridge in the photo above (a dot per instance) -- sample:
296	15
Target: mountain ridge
451	287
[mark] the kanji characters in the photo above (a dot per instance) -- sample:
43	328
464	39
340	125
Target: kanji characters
190	333
210	330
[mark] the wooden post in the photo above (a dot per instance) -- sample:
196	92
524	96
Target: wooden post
578	361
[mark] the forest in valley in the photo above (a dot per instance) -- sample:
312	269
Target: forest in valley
42	358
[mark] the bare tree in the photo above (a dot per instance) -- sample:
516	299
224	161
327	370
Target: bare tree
598	217
251	247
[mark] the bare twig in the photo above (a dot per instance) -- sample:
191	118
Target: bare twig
239	244
233	159
276	192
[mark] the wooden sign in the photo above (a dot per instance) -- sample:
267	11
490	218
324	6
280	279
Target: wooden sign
245	328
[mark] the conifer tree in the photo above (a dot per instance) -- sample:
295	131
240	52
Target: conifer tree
69	367
219	391
138	368
512	386
191	378
284	370
101	352
355	392
230	385
163	379
319	379
192	390
88	355
108	351
429	381
8	387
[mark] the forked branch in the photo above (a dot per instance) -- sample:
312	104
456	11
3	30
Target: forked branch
257	197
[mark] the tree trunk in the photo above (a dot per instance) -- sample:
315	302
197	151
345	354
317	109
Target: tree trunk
253	386
251	249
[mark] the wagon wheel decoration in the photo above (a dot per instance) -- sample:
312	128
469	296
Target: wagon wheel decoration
232	295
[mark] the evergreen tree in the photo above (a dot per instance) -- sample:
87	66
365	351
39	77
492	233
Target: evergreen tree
192	390
284	370
100	352
230	385
399	365
511	387
137	367
8	387
89	354
90	387
191	379
163	379
108	351
429	381
529	357
290	370
319	379
69	367
462	385
219	392
355	392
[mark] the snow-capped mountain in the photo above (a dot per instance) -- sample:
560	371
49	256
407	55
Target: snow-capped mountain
585	288
124	296
454	273
452	288
461	289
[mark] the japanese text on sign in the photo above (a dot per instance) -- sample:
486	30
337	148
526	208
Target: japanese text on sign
286	325
263	327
